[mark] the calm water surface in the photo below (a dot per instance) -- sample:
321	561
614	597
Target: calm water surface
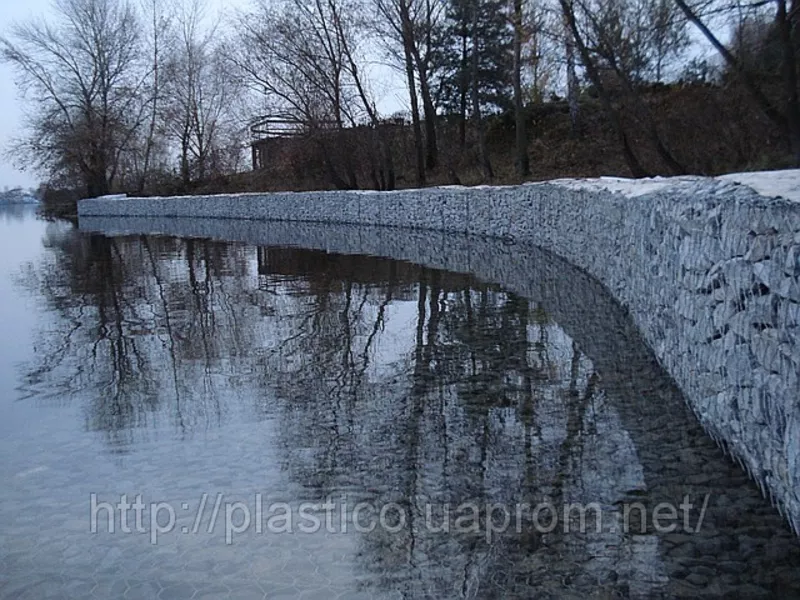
254	397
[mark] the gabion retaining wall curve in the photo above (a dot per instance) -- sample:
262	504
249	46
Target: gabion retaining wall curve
709	270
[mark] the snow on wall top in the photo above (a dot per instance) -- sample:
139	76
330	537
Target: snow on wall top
772	184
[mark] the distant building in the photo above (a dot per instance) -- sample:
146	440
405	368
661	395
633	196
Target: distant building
268	135
17	196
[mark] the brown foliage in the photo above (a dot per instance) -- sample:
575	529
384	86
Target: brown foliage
711	129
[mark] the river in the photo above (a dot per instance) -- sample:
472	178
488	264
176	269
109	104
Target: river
189	418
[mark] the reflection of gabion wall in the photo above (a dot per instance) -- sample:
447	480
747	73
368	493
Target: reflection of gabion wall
709	270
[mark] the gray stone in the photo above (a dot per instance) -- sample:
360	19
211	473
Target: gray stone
768	273
789	288
792	263
760	249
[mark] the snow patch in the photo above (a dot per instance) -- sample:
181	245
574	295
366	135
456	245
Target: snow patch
630	188
771	184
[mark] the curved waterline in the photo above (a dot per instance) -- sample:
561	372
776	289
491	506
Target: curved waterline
582	305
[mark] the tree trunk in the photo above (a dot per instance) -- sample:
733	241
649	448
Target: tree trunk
752	88
375	169
333	175
573	86
383	149
410	42
388	160
412	90
185	175
431	145
96	182
148	147
790	80
350	171
521	163
463	90
486	165
636	168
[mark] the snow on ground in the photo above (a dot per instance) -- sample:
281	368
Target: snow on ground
772	184
785	184
627	187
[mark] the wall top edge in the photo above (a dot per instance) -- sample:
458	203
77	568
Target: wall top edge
774	185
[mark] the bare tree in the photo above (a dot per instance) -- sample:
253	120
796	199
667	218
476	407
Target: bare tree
638	36
636	168
790	121
427	15
623	39
408	56
409	24
666	34
83	73
573	84
483	151
158	24
542	43
521	162
291	54
344	27
198	91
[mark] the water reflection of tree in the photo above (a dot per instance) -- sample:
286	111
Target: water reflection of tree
83	281
390	382
16	212
129	329
456	419
472	366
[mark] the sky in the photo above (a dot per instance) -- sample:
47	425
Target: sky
11	109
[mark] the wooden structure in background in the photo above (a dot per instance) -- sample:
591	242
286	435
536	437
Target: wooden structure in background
266	131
